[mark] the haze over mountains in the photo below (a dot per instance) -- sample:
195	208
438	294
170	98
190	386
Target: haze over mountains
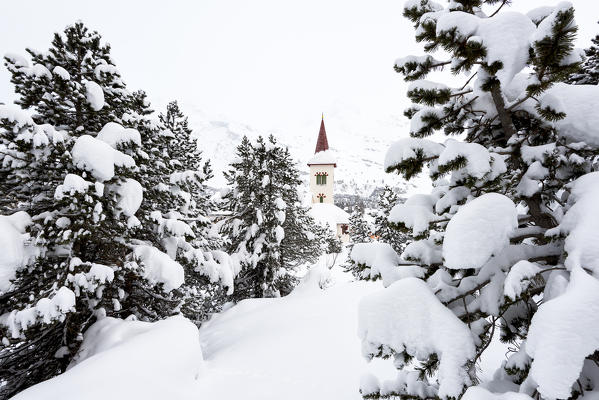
360	144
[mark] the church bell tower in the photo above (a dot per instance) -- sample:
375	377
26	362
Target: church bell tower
322	170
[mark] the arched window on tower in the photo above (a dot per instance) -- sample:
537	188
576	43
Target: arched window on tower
323	179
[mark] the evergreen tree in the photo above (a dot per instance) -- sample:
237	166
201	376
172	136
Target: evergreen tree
382	229
589	73
499	247
268	230
359	229
75	178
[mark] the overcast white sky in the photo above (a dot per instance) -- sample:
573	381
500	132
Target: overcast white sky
270	63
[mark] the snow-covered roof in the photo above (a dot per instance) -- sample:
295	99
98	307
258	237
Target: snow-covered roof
323	157
330	214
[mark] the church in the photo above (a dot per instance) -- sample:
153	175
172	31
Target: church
322	187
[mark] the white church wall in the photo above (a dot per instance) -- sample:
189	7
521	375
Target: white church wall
328	188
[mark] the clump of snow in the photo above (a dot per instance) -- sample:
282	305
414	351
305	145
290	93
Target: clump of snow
418	120
325	157
425	251
407	316
416	213
382	261
539	13
478	230
536	153
530	182
562	334
46	309
98	157
127	359
130	194
159	267
581	123
14	254
401	62
506	37
218	266
16	115
94	95
580	224
424	84
115	134
185	176
61	72
522	270
477	157
408	148
452	198
72	184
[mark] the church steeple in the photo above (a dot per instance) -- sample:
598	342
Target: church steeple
322	143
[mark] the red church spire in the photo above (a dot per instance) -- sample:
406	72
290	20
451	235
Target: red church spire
322	143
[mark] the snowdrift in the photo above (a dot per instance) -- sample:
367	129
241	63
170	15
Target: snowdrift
127	360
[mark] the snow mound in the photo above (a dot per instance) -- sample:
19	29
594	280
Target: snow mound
124	360
267	349
407	316
98	157
479	393
14	253
563	332
478	230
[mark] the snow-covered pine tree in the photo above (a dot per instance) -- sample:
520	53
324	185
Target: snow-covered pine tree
383	231
359	229
359	232
73	85
503	246
205	264
589	73
65	181
268	229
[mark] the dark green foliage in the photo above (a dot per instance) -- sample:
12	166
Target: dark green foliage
268	230
589	73
78	229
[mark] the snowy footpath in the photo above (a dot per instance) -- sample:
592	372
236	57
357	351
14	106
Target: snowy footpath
303	346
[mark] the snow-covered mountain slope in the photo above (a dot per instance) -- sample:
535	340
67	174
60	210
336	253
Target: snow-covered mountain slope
359	143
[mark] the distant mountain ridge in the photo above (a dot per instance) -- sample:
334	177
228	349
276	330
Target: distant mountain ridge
359	144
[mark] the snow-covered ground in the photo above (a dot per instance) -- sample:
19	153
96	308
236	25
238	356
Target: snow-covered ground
303	346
